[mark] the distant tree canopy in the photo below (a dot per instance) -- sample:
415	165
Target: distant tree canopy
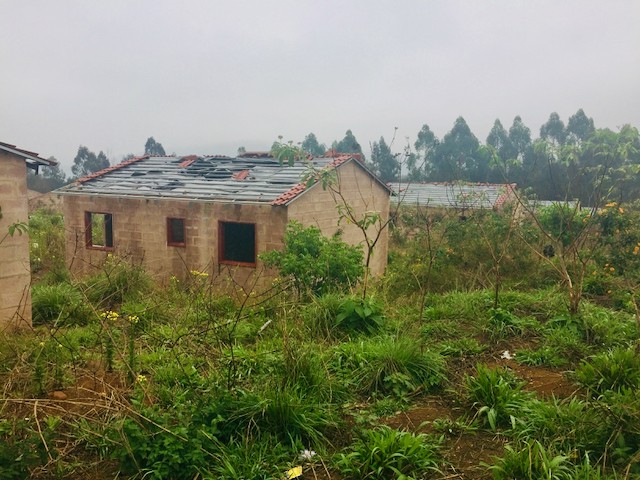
153	148
385	163
348	144
566	161
311	145
87	162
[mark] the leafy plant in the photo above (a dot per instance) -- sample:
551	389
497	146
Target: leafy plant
386	453
360	315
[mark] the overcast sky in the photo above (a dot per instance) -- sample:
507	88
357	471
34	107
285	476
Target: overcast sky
204	76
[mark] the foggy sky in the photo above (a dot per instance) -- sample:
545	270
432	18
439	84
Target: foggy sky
209	76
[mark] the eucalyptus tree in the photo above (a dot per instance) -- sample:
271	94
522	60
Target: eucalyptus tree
420	162
385	163
348	144
456	157
311	145
86	162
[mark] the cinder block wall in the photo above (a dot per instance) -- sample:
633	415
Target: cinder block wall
15	270
364	194
140	233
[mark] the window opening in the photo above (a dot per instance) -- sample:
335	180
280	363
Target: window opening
176	232
98	230
237	243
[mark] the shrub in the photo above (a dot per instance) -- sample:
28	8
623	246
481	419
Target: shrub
386	453
316	264
612	370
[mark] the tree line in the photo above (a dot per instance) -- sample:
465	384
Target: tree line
575	160
84	163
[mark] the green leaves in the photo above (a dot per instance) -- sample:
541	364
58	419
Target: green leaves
316	264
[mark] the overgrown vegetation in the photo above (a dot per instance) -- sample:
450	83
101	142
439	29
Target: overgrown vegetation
124	376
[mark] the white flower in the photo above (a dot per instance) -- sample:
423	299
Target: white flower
506	355
307	454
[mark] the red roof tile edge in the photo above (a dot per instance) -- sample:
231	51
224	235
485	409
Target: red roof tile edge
296	190
508	193
99	173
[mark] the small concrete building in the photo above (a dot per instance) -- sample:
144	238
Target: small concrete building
15	271
210	213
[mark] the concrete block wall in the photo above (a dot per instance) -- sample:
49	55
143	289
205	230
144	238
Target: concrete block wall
140	233
15	269
318	207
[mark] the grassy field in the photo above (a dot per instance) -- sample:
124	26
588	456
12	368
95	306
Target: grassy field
436	373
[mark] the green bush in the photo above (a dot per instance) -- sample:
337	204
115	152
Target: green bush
46	242
386	453
316	264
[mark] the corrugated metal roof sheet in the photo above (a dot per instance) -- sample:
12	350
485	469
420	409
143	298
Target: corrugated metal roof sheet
453	195
213	178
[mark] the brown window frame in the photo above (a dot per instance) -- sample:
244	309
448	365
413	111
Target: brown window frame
221	243
170	240
108	231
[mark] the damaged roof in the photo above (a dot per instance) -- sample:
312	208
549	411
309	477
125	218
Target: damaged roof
245	179
33	159
458	195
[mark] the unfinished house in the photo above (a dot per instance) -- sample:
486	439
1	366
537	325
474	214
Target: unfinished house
209	213
15	270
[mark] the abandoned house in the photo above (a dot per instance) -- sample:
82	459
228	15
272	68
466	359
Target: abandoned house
460	196
15	269
210	213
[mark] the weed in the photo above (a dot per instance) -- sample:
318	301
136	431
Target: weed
320	315
60	304
545	355
387	453
390	366
611	370
290	415
503	324
496	394
531	462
